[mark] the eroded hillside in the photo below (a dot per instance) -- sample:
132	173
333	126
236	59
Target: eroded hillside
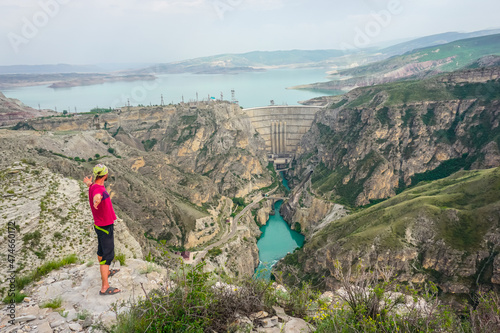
447	231
13	111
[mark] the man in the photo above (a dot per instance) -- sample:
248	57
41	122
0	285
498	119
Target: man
104	217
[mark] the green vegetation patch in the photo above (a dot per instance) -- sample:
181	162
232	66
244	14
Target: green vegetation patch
433	89
149	144
189	120
339	104
408	116
325	180
38	273
214	252
53	303
445	169
383	116
487	91
429	118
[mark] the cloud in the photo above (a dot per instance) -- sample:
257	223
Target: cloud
93	31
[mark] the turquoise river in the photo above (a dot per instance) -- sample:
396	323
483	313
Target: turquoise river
276	241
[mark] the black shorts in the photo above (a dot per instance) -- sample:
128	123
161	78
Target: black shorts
105	244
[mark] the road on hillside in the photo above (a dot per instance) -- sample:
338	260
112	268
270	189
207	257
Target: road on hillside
234	228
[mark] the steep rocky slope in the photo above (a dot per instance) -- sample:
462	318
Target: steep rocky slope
446	231
52	219
378	140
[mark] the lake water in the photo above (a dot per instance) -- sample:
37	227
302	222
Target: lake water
252	89
276	241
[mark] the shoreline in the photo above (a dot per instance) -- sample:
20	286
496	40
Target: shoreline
66	81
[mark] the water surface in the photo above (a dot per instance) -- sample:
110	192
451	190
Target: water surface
252	89
276	241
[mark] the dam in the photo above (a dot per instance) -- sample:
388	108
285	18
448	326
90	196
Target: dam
282	128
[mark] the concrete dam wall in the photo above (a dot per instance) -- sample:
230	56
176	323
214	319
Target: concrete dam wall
282	126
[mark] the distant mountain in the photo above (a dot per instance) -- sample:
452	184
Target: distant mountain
434	40
66	68
417	64
50	69
449	57
258	60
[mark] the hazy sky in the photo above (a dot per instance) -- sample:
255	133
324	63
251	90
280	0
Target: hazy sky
122	31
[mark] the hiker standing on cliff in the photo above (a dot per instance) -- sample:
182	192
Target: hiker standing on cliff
104	217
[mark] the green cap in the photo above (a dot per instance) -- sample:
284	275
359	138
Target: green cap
100	170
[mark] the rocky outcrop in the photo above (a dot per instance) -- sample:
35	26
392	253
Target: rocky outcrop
77	287
262	215
239	256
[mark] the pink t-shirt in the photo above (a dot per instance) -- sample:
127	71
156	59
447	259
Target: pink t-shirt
104	214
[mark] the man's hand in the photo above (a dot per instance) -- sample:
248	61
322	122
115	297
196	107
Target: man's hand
87	180
97	200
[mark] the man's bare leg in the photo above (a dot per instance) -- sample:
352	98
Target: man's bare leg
104	276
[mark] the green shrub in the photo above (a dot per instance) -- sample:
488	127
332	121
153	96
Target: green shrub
214	252
53	303
18	297
33	238
120	257
43	270
83	314
149	144
195	305
239	201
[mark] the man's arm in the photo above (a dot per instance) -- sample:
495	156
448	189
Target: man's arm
97	200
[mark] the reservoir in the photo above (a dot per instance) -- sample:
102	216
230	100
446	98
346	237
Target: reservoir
251	89
276	241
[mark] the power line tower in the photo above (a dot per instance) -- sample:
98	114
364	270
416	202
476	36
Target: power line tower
233	99
128	104
162	100
221	96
